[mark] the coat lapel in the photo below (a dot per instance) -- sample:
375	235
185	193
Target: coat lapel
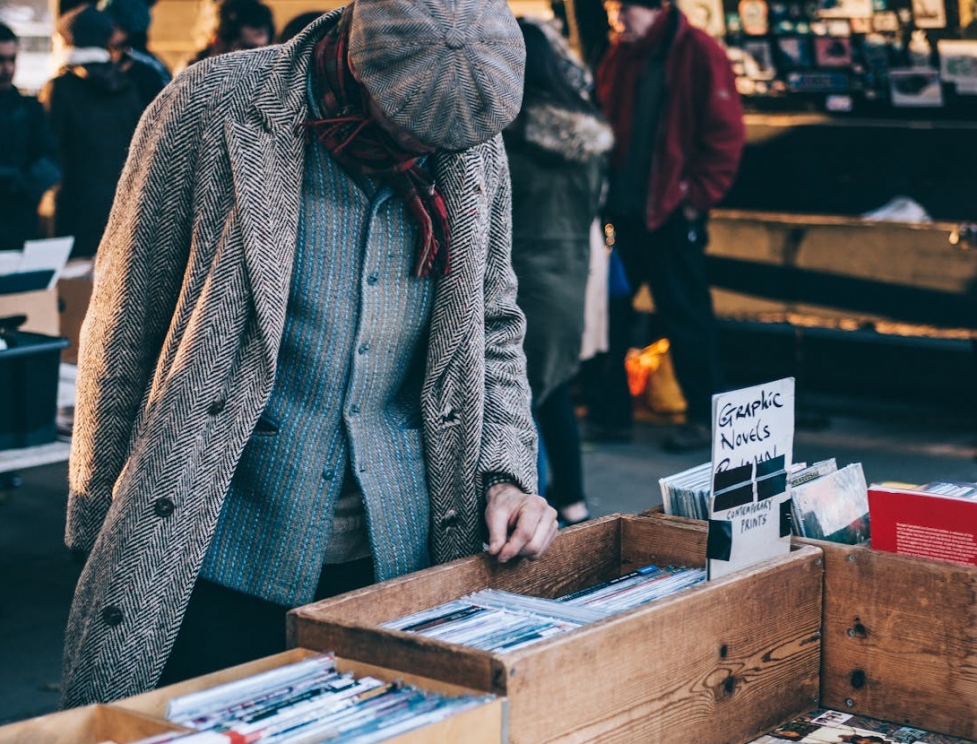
267	156
460	178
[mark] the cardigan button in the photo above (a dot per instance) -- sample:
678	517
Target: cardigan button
163	507
216	407
112	615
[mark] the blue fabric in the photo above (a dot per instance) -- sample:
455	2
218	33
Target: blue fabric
347	389
618	286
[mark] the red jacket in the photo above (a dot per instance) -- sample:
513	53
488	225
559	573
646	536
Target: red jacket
700	132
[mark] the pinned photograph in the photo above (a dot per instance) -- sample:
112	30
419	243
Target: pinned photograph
844	8
794	53
818	82
916	87
705	14
929	13
886	22
832	51
763	56
753	17
958	64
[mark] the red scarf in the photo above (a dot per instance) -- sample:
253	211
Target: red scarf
360	144
617	80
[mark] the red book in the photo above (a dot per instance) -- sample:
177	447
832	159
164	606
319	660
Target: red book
927	521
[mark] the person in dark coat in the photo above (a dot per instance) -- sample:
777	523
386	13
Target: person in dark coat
127	46
28	153
241	24
94	109
556	150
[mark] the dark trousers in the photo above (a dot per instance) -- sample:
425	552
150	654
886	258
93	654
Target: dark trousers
672	261
557	423
222	627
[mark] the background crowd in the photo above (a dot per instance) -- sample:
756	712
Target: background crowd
619	151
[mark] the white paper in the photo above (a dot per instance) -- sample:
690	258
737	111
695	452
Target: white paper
10	262
752	426
46	254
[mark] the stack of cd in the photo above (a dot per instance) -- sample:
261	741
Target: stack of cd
686	494
495	620
308	701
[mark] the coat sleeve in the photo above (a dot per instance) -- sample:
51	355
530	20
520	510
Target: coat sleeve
722	133
509	442
138	270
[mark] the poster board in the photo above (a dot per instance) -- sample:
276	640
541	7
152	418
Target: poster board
752	450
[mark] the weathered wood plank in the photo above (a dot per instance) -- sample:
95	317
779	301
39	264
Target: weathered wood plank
900	639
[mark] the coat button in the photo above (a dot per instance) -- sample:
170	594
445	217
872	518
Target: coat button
216	407
112	615
450	519
163	507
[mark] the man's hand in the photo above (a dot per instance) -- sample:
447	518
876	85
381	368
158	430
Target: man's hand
518	523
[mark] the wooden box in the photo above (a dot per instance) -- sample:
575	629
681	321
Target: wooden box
485	724
89	725
899	636
718	663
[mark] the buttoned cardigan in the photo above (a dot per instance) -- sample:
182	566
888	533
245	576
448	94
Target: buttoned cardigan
178	350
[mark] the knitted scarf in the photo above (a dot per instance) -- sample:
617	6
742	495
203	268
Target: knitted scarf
361	145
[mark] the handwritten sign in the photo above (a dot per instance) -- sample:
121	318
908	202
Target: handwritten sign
752	447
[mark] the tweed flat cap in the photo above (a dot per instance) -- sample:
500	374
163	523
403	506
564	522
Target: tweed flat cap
449	72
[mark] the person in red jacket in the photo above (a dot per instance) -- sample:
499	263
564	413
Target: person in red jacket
668	91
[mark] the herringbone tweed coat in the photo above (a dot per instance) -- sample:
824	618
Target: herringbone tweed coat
178	352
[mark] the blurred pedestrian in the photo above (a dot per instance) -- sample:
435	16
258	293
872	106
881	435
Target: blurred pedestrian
556	149
28	153
241	24
302	367
128	46
668	90
296	24
94	109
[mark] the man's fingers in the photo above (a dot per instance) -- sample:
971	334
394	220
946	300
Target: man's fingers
534	531
498	516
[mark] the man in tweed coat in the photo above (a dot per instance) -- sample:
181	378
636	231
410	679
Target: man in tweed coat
303	339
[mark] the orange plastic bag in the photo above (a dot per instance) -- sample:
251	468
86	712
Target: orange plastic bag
651	378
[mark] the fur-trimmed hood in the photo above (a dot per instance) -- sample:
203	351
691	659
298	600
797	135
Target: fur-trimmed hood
572	135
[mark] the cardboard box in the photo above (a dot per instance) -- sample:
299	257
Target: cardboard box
485	724
899	636
89	725
74	295
40	307
719	663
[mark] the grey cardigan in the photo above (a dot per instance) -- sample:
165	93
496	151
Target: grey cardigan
179	346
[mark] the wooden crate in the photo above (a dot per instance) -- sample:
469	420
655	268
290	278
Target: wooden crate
899	636
485	724
89	725
721	662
